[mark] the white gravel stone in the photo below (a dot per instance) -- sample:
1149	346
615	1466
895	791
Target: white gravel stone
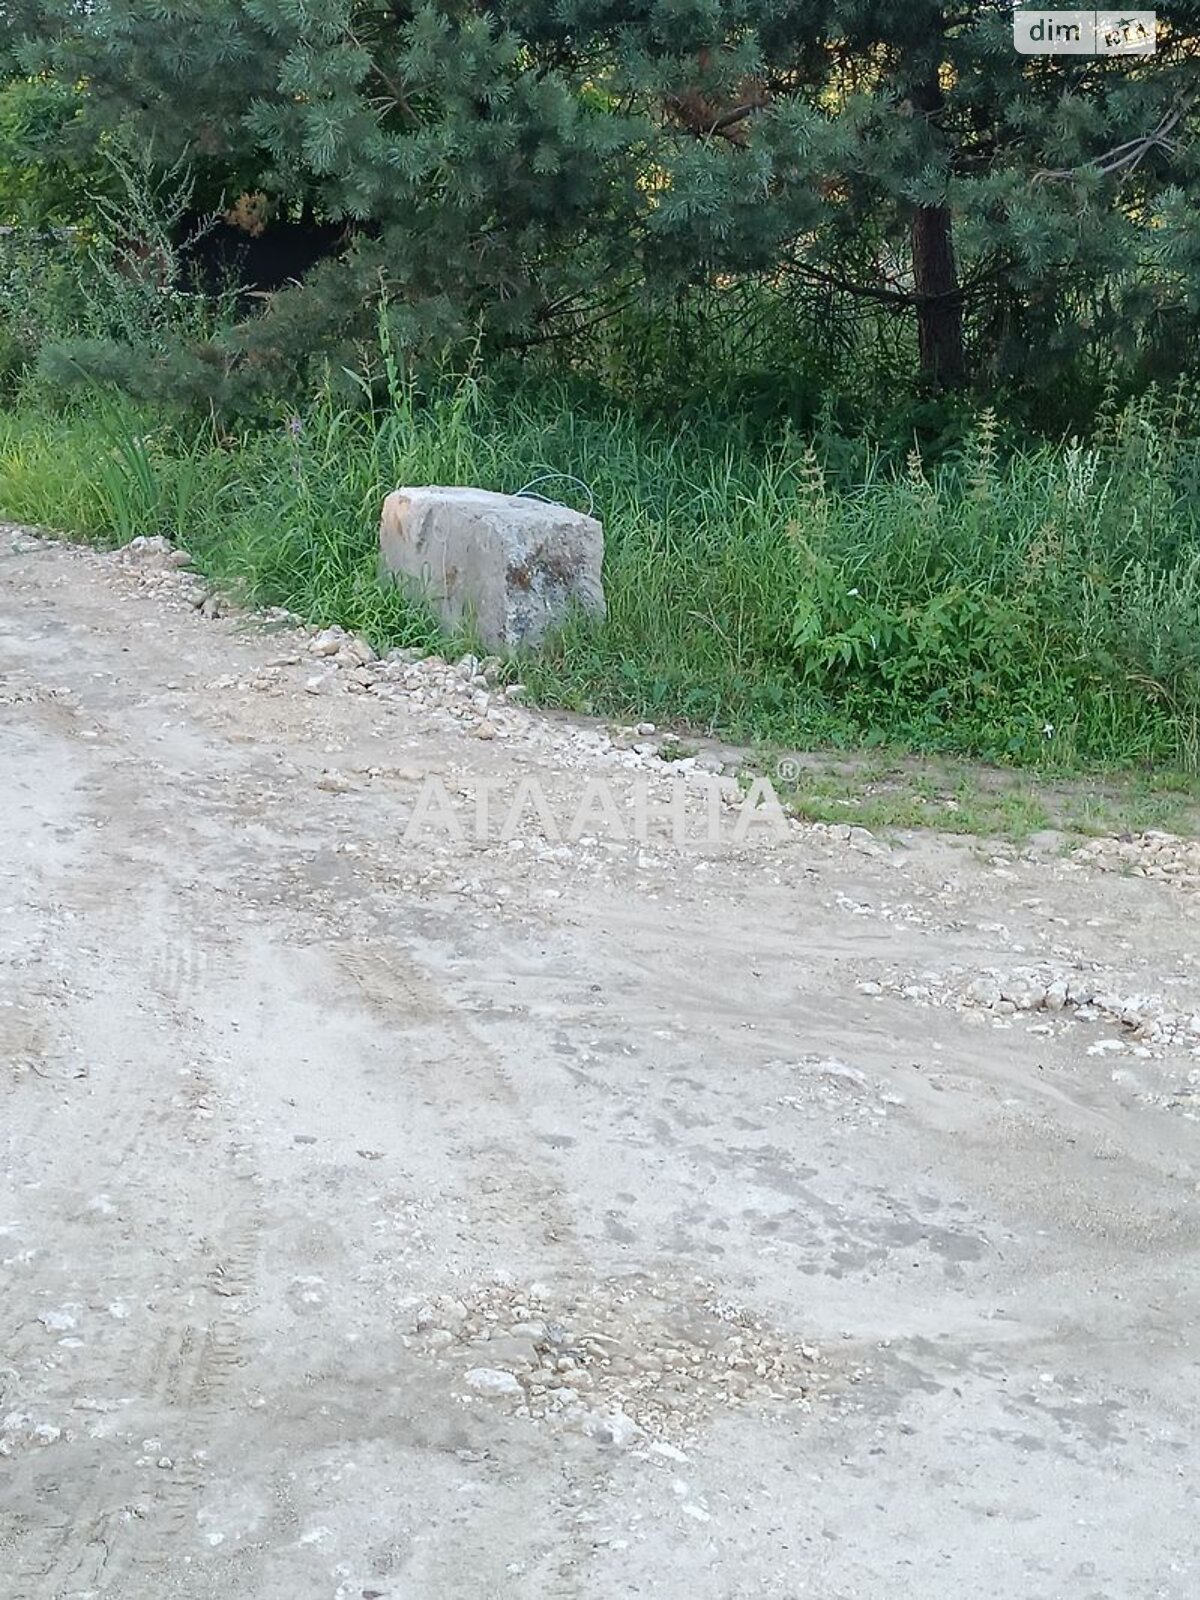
610	1427
326	643
493	1382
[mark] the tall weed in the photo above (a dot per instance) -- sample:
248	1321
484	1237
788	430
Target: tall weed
1037	605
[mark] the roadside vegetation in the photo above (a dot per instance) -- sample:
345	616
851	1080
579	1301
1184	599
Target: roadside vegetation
880	386
1033	605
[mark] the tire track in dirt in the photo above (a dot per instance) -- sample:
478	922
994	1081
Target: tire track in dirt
168	1366
500	1170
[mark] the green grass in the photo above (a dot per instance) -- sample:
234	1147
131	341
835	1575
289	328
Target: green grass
952	795
1038	610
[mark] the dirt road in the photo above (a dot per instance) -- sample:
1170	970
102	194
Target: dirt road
425	1217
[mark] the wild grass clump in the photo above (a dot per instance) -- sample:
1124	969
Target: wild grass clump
1036	605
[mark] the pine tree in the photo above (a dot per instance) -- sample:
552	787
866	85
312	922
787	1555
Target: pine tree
503	167
904	152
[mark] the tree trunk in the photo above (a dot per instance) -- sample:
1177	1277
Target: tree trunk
935	276
939	309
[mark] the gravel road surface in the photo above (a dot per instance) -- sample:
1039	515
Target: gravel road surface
458	1211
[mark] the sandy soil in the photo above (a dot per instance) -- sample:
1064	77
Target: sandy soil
385	1216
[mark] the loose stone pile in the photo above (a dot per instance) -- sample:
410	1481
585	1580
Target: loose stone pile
630	1361
156	565
1152	854
1072	996
469	692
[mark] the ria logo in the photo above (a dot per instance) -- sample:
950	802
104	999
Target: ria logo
1084	33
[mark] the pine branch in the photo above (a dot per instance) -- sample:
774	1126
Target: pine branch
698	116
393	87
573	329
904	298
1123	158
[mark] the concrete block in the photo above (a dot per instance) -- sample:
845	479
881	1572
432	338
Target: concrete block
515	564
